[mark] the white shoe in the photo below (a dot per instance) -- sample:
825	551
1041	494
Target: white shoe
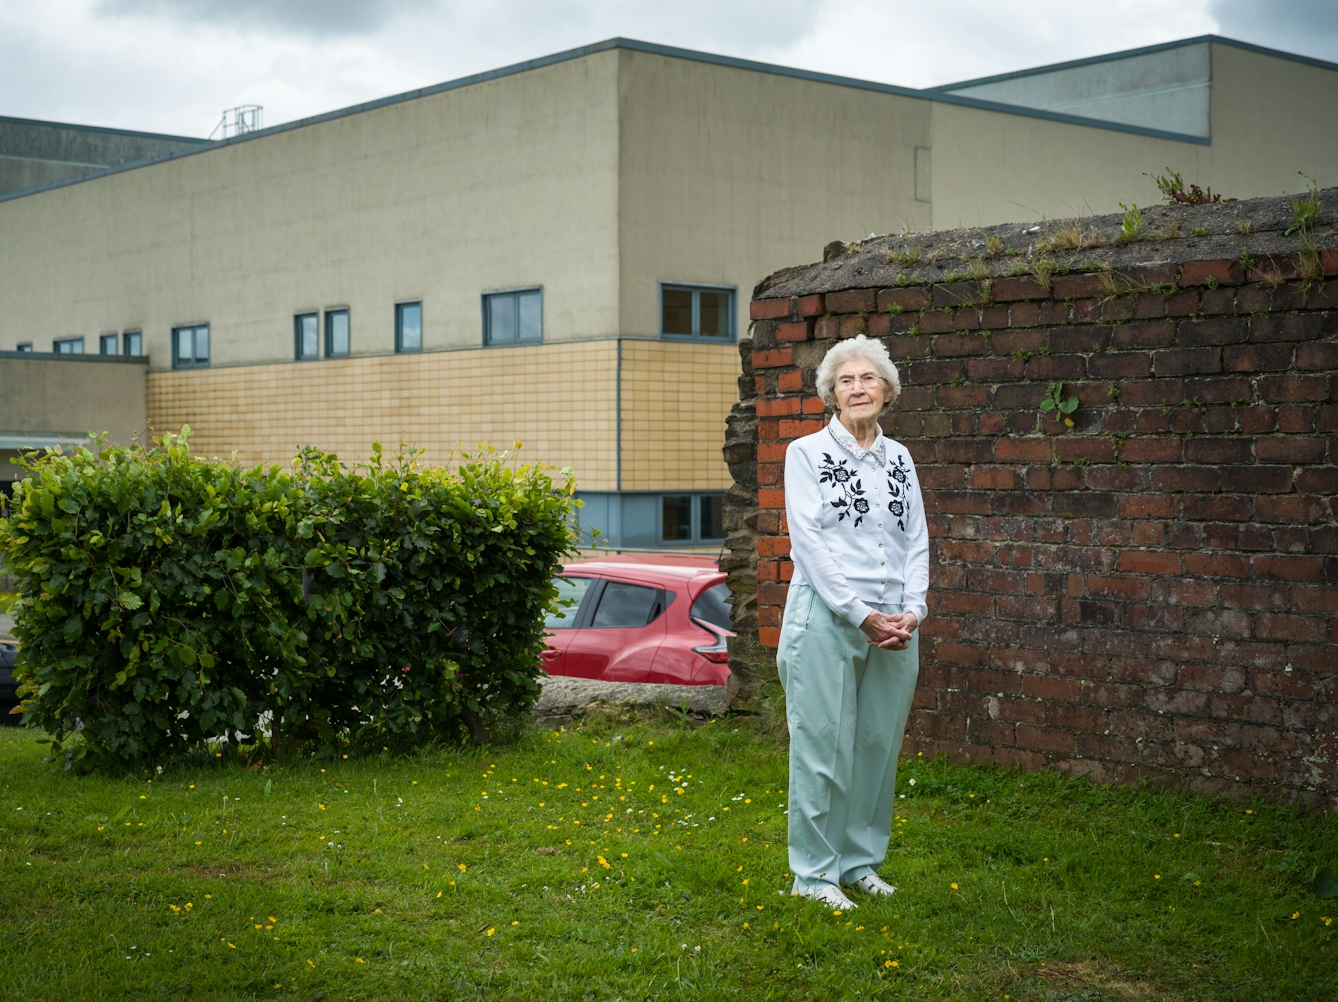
831	896
875	885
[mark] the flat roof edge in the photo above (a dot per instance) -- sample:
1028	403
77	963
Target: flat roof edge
52	356
98	128
607	45
1133	53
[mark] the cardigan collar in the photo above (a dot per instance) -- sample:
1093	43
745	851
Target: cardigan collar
877	452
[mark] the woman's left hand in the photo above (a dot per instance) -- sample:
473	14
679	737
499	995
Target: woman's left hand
906	622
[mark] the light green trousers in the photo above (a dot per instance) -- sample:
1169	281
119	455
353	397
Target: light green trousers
846	702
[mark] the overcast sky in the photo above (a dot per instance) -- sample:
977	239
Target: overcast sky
174	65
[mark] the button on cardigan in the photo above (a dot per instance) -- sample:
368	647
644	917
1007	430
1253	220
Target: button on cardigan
858	535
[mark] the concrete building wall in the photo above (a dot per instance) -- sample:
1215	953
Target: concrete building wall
507	182
50	400
1272	117
1167	88
701	203
33	153
990	168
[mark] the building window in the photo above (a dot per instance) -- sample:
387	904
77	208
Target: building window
306	336
68	346
24	346
107	344
190	347
513	317
698	313
132	344
336	333
408	327
691	518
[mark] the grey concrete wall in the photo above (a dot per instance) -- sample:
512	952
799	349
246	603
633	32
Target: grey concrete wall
68	397
507	183
34	153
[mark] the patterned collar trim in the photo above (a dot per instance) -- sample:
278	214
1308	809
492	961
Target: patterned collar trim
877	451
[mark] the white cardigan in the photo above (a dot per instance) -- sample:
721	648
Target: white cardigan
858	535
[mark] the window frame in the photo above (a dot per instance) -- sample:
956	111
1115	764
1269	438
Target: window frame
695	537
103	342
327	332
73	339
298	355
138	335
194	362
697	288
485	299
399	327
24	346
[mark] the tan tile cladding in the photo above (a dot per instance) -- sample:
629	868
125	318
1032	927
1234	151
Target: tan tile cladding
675	399
558	399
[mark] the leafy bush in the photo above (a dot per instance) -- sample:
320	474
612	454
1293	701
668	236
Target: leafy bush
166	599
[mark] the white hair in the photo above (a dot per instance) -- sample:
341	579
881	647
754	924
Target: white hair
867	348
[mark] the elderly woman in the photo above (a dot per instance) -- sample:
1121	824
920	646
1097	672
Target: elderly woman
848	654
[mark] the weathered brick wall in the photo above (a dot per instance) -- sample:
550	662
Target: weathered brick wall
1153	592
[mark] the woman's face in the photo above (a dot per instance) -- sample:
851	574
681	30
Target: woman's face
861	393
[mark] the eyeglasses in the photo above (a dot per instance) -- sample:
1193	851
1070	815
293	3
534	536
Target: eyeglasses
868	381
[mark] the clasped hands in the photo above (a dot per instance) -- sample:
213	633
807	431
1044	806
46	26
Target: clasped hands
891	632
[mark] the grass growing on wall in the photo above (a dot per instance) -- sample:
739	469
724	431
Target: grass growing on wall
636	860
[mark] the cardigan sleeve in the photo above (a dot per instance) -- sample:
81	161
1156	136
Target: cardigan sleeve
915	576
808	550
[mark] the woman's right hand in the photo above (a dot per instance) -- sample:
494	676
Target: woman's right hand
886	631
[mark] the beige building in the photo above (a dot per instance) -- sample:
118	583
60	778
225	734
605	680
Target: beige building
561	252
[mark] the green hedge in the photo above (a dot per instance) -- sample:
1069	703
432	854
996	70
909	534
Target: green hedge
167	599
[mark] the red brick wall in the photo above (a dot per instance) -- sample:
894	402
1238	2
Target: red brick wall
1153	592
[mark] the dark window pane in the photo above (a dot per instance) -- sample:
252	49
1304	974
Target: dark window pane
307	340
570	593
107	344
626	605
501	319
336	333
132	343
24	346
201	345
531	316
711	606
713	516
409	327
715	314
677	310
676	518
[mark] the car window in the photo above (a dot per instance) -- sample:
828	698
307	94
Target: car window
627	605
570	593
710	606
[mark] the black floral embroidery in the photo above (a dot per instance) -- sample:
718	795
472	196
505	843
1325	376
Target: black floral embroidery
898	486
851	500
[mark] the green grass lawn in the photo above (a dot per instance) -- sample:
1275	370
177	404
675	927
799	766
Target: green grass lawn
637	860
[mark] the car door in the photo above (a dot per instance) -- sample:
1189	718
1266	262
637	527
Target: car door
619	639
561	623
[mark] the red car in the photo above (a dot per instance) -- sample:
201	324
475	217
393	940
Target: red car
641	618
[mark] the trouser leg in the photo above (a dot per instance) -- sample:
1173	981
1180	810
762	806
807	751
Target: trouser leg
883	704
817	670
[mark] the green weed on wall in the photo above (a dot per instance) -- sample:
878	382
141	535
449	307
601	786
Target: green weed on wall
167	599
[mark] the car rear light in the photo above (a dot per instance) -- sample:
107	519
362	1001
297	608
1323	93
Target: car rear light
718	651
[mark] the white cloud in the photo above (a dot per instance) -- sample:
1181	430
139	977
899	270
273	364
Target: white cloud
173	65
